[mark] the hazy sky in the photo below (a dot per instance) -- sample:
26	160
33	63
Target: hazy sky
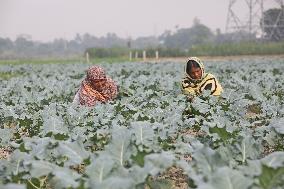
45	20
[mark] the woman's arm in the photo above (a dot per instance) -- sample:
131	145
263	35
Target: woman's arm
76	98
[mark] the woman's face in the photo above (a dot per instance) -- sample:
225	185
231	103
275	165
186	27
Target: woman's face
195	73
99	83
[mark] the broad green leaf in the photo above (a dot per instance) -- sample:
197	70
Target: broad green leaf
200	105
40	147
119	147
222	133
100	169
5	136
274	160
40	168
161	184
13	186
144	133
278	125
159	162
118	183
139	174
15	162
226	178
74	151
64	178
248	148
252	169
270	178
208	160
54	125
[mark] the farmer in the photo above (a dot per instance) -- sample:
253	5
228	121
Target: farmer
96	87
196	80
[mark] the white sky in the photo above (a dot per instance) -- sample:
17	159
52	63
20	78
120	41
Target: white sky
45	20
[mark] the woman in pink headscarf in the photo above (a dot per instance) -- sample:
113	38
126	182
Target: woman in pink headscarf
96	87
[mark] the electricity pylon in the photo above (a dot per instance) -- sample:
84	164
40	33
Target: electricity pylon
251	23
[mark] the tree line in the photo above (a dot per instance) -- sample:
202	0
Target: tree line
198	38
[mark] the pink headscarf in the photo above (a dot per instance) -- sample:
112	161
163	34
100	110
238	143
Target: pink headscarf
96	87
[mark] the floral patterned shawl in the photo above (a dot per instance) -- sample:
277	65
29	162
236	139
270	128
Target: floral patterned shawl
96	87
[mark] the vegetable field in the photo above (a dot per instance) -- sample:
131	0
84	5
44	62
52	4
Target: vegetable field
150	136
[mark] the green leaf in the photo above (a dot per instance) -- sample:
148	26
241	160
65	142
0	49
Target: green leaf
161	184
200	106
64	178
54	125
159	162
139	174
274	160
5	136
40	147
270	177
13	186
40	168
139	158
226	178
99	169
278	125
119	147
15	164
144	133
117	183
74	151
222	133
248	148
252	169
208	160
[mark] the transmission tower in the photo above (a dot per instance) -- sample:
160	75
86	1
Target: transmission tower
252	22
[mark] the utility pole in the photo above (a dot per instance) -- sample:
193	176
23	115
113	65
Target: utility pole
129	48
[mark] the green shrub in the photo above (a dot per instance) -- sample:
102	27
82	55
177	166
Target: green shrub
107	52
241	48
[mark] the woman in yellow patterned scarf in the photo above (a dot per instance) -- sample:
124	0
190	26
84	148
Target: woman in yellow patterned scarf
196	80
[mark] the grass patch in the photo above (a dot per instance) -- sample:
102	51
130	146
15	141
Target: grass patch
63	61
6	76
110	60
38	61
241	48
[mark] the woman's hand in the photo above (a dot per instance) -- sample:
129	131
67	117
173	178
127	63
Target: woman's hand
190	98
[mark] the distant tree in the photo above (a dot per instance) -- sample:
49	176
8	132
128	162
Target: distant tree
164	35
60	45
180	39
23	45
5	44
218	31
232	37
112	40
75	46
44	49
273	20
184	38
89	41
129	42
78	39
196	21
145	42
201	34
